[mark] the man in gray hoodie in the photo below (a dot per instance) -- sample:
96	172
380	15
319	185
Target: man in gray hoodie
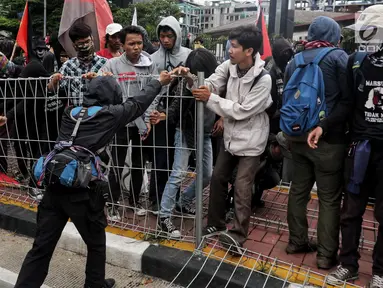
135	69
170	54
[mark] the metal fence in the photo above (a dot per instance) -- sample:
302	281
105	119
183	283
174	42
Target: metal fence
34	120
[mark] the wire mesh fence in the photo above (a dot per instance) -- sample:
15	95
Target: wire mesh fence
150	177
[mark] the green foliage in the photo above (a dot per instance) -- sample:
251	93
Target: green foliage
149	14
9	20
348	43
211	43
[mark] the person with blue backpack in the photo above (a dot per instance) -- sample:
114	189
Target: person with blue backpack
76	177
364	160
316	102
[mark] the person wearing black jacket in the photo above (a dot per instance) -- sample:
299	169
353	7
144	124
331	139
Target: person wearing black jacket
37	116
182	114
282	53
85	207
323	165
364	161
8	70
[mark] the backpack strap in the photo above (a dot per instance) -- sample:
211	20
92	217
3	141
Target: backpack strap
78	122
323	54
358	61
256	79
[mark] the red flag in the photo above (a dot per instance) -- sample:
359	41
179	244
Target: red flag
266	49
24	35
95	13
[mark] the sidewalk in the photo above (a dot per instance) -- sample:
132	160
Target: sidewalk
67	269
264	262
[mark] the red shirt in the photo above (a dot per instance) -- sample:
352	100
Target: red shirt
105	53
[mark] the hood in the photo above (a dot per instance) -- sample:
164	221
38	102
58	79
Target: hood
148	46
282	52
34	69
103	91
175	25
324	29
145	60
280	45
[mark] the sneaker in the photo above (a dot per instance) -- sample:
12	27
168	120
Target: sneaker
167	226
187	209
376	282
109	283
139	210
35	194
340	276
304	248
113	214
230	244
210	231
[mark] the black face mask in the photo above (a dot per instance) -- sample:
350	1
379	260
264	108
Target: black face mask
283	59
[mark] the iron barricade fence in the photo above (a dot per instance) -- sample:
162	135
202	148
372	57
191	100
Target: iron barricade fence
35	114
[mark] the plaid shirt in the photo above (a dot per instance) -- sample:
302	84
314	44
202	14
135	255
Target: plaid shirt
74	68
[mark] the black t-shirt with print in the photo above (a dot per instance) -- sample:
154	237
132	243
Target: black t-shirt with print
367	117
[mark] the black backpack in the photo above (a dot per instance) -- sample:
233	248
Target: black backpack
72	165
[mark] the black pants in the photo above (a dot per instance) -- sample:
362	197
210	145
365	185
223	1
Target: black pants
118	161
85	208
222	174
163	139
353	209
325	166
141	152
6	135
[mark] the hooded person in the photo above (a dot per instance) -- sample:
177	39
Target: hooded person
148	46
40	49
323	164
170	54
7	70
135	69
85	206
282	53
37	117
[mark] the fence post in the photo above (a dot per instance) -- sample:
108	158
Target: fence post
199	168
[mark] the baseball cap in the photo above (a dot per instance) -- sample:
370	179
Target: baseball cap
113	28
370	17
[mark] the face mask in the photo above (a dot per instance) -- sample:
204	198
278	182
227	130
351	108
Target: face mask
40	53
85	51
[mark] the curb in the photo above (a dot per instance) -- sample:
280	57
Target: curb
8	279
141	256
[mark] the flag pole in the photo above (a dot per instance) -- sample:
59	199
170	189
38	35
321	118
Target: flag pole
13	51
45	18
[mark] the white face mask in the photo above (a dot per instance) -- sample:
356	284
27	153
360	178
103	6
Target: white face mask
40	53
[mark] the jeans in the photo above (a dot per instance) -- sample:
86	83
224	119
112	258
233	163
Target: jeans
180	165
